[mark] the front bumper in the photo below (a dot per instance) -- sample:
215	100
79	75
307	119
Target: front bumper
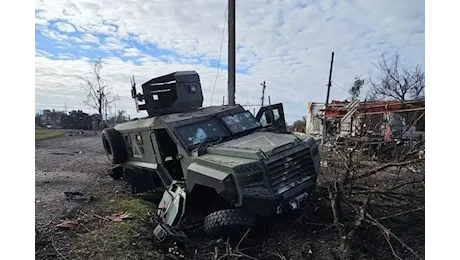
284	202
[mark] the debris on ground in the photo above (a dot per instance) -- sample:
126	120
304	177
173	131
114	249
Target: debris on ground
67	224
164	232
76	133
120	216
77	196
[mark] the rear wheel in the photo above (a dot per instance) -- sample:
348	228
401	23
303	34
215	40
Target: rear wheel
228	222
114	145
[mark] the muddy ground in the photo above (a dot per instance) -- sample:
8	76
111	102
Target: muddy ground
78	164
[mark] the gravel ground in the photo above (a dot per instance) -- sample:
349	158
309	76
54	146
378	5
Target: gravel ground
67	163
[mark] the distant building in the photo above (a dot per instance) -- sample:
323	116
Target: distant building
389	119
313	121
51	117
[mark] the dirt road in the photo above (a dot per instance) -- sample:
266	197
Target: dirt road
67	163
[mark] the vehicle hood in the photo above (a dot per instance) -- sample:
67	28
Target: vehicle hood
255	146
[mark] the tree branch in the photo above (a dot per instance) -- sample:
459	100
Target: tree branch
387	231
386	166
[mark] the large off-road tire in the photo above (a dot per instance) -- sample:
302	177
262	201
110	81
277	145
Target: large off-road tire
114	145
228	222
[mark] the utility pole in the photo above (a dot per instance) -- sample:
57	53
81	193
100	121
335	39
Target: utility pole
327	101
263	93
231	52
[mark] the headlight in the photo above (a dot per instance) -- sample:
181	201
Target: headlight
249	174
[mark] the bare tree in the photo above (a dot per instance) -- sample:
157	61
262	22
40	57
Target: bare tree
355	89
99	94
299	125
396	81
369	195
120	117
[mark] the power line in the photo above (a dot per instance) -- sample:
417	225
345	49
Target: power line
337	85
220	56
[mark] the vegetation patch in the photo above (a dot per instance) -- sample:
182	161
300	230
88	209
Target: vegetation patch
105	238
117	229
42	134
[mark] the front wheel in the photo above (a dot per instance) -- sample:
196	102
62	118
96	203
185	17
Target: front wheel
228	222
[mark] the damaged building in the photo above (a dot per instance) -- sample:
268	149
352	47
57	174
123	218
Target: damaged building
387	120
49	117
314	118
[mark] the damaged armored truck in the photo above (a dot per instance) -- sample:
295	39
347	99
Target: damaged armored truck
250	162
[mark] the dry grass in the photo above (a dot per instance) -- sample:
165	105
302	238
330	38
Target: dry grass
116	240
42	134
98	237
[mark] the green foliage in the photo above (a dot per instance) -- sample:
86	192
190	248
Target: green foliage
42	134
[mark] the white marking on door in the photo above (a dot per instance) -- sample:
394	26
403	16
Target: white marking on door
136	151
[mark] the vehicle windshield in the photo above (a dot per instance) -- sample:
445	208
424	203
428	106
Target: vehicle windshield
240	122
202	131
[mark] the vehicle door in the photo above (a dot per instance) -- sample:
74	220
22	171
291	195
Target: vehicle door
272	118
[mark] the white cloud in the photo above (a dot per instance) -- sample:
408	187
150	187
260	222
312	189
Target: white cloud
42	53
87	37
112	44
66	56
286	43
131	52
65	27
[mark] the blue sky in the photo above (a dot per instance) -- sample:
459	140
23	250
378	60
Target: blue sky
287	43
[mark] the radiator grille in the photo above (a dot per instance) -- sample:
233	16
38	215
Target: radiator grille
291	168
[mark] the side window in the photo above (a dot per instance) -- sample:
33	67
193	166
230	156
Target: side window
152	139
276	114
263	120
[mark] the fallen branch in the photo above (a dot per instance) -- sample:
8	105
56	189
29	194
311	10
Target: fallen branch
345	239
45	225
97	216
355	187
401	213
57	251
359	220
405	184
414	150
229	252
389	189
387	232
389	193
387	238
334	197
279	255
386	166
323	229
381	205
242	238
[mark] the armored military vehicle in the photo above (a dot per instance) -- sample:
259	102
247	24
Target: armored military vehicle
250	162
